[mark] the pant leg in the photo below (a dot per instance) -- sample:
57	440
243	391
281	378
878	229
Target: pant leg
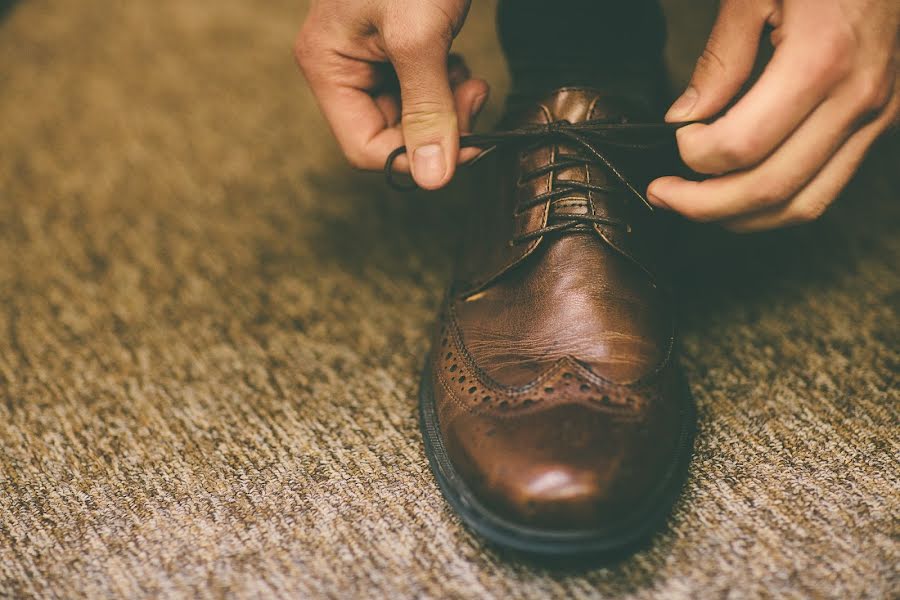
554	43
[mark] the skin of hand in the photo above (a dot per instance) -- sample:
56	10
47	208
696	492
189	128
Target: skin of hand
783	152
383	75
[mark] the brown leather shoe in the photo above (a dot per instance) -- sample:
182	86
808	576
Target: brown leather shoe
554	413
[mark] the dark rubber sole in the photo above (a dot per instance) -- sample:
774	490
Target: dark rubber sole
645	521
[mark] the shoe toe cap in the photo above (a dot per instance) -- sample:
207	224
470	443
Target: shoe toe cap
567	467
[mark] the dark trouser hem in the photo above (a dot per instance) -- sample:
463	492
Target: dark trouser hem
607	44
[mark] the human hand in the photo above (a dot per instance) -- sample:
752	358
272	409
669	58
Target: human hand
383	77
785	150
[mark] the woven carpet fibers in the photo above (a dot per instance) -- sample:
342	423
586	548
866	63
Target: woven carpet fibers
211	331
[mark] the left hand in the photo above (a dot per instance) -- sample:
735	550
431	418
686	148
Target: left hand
787	148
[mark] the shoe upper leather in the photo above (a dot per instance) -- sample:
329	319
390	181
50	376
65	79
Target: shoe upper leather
553	370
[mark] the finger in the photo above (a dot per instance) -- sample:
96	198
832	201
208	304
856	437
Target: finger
812	58
457	70
361	125
470	98
342	87
812	201
429	121
726	62
387	96
389	105
779	177
469	94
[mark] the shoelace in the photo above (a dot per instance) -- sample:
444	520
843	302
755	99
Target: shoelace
593	137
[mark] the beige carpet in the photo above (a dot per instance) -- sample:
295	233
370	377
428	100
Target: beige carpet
211	331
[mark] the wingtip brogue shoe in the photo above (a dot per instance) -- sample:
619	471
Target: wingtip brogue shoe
555	415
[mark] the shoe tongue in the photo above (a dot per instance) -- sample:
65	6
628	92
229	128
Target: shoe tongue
571	105
582	104
576	105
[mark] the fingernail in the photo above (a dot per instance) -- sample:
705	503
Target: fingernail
429	165
477	105
682	107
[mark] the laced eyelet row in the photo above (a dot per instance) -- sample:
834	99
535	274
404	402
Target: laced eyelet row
591	137
562	189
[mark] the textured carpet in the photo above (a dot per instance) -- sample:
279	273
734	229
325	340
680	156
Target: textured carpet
211	331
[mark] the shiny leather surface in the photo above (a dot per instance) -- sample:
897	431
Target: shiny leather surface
553	368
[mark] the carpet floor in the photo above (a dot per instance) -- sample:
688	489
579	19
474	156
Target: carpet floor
211	331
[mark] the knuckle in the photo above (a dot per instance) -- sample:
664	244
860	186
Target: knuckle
724	152
414	42
710	60
686	146
738	150
425	115
693	160
833	56
807	212
872	91
355	161
357	158
303	49
774	191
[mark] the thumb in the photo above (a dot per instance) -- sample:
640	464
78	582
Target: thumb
726	62
429	122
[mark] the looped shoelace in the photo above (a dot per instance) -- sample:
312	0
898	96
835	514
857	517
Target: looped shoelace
592	137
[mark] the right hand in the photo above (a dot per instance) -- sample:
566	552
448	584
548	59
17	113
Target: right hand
383	77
